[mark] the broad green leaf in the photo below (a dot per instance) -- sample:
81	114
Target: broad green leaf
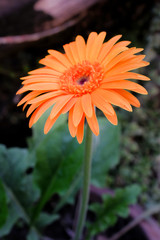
46	219
59	160
3	205
13	216
111	208
33	234
15	163
106	152
67	196
19	186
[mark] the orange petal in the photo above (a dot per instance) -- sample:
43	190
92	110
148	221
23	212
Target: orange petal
114	98
45	70
60	57
121	44
28	97
74	52
50	122
107	47
77	112
87	104
72	128
81	47
113	119
80	130
125	84
69	105
133	59
126	75
41	80
90	42
60	104
118	48
24	106
113	54
53	64
39	86
130	97
97	45
69	53
39	76
31	109
101	103
41	109
124	67
93	123
46	96
121	57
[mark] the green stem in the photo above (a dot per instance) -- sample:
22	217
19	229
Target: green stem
86	182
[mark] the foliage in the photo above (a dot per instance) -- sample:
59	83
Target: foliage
20	188
140	155
50	165
59	159
111	208
3	205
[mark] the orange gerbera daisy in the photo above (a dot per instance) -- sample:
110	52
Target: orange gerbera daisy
87	75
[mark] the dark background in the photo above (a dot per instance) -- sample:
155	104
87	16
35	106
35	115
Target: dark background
133	19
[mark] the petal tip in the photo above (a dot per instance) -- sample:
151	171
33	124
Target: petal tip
45	131
96	133
19	104
115	123
130	109
50	51
80	140
42	61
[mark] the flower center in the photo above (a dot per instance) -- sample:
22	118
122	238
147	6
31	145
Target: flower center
81	78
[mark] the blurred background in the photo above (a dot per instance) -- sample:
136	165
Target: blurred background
28	28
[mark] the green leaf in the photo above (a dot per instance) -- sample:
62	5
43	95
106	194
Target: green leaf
13	216
46	219
3	205
19	186
106	152
59	160
33	235
112	207
14	175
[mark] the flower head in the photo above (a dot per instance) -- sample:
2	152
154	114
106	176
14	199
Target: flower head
85	76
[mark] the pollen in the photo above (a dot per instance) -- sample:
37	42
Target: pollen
82	78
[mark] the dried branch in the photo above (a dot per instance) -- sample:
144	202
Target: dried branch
39	35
